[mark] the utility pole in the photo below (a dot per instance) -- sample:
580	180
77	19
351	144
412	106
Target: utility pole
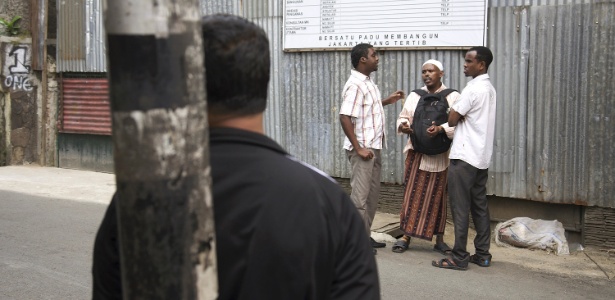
161	152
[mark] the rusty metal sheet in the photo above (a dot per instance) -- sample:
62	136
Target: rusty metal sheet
85	106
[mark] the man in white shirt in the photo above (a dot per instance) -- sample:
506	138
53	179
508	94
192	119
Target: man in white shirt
474	116
363	122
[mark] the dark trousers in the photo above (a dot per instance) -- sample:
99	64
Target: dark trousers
468	194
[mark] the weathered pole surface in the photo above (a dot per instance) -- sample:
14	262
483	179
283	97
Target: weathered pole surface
157	92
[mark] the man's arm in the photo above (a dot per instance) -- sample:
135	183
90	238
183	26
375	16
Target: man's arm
453	118
461	107
434	130
348	128
393	98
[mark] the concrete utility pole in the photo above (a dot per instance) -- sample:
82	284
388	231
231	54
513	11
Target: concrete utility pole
161	154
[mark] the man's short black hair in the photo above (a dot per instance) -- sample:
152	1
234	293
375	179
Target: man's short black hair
358	51
483	54
236	65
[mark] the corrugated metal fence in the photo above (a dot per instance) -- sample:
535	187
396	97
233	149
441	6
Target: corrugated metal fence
554	72
81	36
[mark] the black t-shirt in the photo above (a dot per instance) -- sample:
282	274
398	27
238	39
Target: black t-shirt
284	230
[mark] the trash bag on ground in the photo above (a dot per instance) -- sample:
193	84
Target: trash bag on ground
532	234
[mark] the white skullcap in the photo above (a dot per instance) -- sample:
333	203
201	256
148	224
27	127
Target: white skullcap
435	63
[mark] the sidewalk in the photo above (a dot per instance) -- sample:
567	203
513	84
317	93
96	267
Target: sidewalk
85	186
97	187
589	263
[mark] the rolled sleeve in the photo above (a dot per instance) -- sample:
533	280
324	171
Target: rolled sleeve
452	99
464	104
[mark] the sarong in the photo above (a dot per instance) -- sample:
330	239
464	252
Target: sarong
423	211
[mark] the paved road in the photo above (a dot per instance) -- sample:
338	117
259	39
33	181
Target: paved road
47	233
46	246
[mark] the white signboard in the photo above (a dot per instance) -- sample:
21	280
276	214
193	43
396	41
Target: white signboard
315	25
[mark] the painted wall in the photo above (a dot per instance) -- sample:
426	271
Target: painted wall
19	87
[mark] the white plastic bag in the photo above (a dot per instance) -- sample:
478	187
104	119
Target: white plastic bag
533	234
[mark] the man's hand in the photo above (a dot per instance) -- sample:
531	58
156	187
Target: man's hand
433	130
398	95
365	153
405	128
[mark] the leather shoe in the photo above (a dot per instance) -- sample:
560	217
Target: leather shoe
377	244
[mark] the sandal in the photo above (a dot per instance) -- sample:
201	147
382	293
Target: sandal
400	246
449	264
480	261
443	248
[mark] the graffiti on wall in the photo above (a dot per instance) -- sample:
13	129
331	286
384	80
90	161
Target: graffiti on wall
17	68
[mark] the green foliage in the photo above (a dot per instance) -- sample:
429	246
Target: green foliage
10	27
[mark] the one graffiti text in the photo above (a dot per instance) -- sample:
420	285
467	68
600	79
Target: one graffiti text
18	82
19	58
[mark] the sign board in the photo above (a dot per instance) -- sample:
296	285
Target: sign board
317	25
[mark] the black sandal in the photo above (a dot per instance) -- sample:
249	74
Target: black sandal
400	246
449	264
480	261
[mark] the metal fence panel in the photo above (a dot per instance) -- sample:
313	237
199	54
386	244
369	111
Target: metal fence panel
508	38
81	36
570	155
85	106
545	82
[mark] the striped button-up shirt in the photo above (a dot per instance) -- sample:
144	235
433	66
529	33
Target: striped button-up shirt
363	103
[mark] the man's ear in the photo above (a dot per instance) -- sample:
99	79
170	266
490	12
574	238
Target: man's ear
363	59
482	64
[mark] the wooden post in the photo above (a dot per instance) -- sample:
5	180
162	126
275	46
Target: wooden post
157	91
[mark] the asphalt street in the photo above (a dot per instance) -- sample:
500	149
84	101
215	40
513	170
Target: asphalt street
46	246
49	217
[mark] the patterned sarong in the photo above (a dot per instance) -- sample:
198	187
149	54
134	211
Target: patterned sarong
423	212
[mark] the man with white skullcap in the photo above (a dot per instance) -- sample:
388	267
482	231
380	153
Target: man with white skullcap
423	212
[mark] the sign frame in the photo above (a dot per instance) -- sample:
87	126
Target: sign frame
309	43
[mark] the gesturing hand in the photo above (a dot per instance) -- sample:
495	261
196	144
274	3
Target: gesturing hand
405	128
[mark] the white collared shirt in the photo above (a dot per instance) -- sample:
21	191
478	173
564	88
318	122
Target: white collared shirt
363	103
473	142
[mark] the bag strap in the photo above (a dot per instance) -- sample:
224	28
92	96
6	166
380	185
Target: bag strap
420	92
446	92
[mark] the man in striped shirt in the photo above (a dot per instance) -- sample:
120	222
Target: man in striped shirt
363	121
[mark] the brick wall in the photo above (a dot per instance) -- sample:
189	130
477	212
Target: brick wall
599	227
